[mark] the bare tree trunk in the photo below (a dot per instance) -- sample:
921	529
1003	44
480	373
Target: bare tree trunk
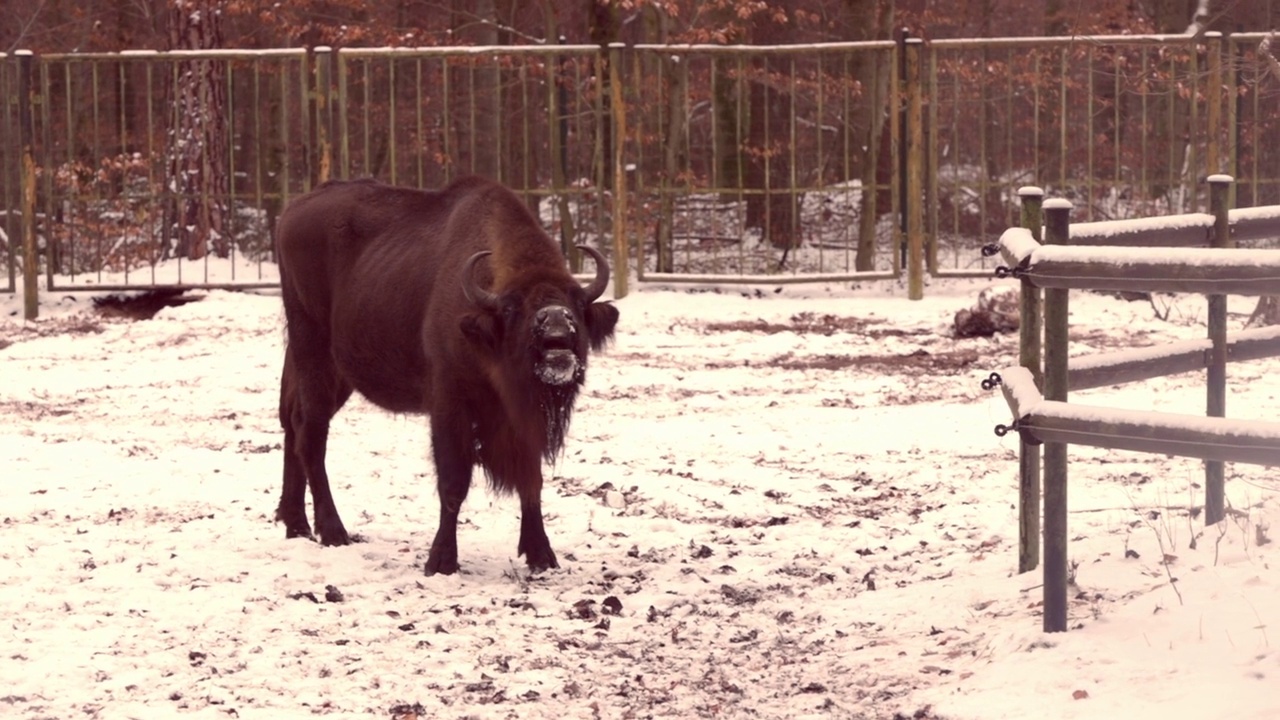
559	134
675	73
730	123
869	20
197	152
486	96
605	29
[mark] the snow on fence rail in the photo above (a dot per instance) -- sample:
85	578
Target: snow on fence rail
1108	258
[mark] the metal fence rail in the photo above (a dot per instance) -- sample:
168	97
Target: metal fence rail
772	164
107	205
1054	268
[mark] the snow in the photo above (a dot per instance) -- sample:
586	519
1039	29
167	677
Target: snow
1017	244
1115	230
1265	212
1165	257
772	504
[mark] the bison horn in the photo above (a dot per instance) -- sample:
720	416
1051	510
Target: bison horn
476	295
596	288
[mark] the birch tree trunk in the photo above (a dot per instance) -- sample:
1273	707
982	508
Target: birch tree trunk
196	152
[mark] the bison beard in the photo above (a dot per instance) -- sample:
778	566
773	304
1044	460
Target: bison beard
455	304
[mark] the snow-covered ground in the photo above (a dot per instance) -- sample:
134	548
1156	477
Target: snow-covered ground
773	505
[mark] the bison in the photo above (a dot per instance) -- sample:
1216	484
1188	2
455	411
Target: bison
452	303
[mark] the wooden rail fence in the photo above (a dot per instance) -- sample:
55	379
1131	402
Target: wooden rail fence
1105	256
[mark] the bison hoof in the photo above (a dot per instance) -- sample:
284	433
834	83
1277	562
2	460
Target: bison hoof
539	562
438	566
335	538
295	524
291	532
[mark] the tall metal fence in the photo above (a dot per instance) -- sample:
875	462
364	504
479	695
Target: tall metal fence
10	182
780	163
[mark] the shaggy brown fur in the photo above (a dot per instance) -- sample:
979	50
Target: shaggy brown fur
453	303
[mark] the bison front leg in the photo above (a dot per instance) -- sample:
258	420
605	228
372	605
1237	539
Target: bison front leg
452	448
533	536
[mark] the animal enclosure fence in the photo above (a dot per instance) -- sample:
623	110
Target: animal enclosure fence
1115	256
749	164
10	177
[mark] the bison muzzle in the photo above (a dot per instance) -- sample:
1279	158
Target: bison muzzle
452	303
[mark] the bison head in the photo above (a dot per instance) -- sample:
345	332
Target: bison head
542	318
536	332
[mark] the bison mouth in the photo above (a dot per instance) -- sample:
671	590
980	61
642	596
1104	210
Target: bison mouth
559	367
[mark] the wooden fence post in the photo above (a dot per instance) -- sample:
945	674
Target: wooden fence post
1216	405
1213	48
621	249
324	115
915	172
1029	328
27	183
1056	571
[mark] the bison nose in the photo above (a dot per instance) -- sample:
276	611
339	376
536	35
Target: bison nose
554	323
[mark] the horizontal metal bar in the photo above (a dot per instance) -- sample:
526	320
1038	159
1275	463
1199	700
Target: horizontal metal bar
1190	230
800	49
1208	438
439	50
221	53
1125	366
960	274
763	279
1046	43
1145	276
143	287
1257	223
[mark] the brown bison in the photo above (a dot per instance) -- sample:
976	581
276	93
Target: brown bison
453	303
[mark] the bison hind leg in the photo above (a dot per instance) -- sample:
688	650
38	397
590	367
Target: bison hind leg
311	393
292	510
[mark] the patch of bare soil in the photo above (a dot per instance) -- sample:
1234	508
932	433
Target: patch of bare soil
952	362
1107	339
803	323
807	323
71	325
143	306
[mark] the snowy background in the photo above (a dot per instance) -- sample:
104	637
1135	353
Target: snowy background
773	504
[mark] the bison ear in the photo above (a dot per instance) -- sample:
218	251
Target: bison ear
601	319
479	329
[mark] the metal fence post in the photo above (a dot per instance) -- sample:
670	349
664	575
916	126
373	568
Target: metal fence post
1029	342
26	139
1216	404
1057	232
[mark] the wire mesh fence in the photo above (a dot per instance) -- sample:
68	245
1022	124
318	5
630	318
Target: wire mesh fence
778	163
